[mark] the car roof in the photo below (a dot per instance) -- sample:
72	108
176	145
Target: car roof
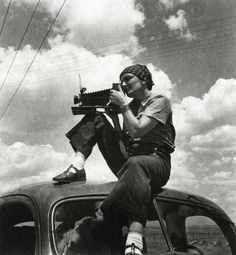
47	193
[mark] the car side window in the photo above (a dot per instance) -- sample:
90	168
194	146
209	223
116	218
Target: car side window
191	229
17	229
154	241
204	234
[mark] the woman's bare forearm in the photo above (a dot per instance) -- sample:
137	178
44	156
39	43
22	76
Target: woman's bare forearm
131	122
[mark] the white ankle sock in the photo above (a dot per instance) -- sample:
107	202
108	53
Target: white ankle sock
78	161
136	238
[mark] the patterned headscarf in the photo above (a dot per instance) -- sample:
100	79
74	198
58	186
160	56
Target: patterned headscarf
141	71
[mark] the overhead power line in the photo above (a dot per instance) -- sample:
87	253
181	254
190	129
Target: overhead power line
18	87
5	17
223	42
166	32
167	42
9	69
175	51
169	50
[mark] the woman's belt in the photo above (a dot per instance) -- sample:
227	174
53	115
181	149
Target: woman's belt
139	147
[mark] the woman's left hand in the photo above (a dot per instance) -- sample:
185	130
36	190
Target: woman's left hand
118	97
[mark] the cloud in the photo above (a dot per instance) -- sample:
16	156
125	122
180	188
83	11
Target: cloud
219	139
206	129
222	175
23	164
46	96
97	25
215	109
224	161
178	24
163	84
170	4
181	174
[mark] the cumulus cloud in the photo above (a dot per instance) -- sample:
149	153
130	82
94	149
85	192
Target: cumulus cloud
178	24
181	175
219	139
224	161
206	129
163	84
170	4
216	108
222	175
23	164
97	24
45	97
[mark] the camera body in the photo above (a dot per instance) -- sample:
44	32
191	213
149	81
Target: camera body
93	101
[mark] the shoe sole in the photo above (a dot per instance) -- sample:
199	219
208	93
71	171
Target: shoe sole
65	181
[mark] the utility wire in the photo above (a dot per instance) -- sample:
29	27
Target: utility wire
169	51
98	50
153	43
32	60
227	44
164	32
163	50
5	17
223	42
180	52
175	48
8	71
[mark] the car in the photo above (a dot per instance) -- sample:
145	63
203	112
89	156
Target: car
36	220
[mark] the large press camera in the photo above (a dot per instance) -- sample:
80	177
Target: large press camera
92	101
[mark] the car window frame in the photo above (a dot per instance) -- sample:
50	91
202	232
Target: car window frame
227	227
56	205
31	204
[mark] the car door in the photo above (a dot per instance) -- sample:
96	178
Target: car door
19	226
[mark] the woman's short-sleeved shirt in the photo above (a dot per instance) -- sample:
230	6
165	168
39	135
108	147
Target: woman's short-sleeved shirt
157	107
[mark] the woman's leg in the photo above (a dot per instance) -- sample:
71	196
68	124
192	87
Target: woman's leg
138	178
131	198
93	129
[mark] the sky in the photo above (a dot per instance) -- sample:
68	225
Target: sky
188	45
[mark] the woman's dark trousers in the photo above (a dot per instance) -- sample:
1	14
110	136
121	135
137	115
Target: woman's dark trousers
138	176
